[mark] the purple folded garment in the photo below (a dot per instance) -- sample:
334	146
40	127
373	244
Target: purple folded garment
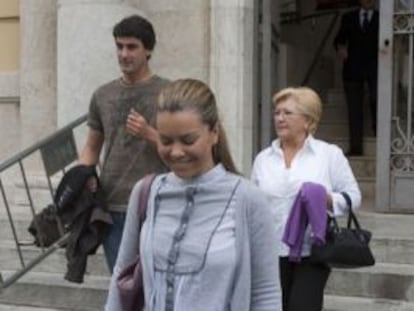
309	207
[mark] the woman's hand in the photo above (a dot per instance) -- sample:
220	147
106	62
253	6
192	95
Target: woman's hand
329	202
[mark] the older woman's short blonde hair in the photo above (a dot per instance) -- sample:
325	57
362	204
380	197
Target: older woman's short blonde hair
308	103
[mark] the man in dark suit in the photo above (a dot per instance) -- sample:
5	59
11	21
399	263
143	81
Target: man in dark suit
357	45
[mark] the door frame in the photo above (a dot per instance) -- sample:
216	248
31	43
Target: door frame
385	68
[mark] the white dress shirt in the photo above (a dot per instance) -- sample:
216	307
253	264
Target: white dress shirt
318	162
361	16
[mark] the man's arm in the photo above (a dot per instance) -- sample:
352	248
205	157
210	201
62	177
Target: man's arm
90	154
341	39
92	149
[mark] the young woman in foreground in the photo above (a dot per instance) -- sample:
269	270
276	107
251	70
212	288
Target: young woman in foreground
208	239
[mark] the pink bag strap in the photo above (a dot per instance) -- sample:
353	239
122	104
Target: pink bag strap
144	192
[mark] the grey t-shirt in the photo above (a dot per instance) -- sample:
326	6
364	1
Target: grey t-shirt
126	158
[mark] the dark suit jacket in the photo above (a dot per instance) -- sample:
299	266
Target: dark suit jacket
362	46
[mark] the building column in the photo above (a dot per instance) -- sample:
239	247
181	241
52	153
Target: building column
232	73
37	70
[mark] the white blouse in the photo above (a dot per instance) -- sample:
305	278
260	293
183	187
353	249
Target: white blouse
318	162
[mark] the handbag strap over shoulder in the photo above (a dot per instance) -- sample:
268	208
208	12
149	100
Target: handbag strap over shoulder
144	192
351	215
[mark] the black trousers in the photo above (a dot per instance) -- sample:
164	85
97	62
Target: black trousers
302	284
354	94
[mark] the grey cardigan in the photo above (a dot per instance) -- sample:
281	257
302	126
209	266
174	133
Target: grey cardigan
256	282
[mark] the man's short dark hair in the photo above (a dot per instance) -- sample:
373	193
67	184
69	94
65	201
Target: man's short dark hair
138	27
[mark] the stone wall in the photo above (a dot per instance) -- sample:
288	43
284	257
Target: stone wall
9	115
68	50
208	40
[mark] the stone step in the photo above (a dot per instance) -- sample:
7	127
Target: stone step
338	111
393	275
369	144
390	243
335	96
368	204
332	129
40	198
21	223
367	187
8	307
337	99
346	303
392	250
382	281
19	211
334	112
386	249
364	166
48	290
387	225
54	263
19	203
40	192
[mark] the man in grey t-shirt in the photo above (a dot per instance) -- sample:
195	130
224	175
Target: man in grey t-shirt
119	120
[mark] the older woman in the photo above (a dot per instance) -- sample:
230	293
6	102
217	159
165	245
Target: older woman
292	159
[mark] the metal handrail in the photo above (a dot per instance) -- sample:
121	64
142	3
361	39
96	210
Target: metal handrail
65	135
299	18
29	150
321	46
4	283
275	38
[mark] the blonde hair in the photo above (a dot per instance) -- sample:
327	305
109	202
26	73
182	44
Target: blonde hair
307	101
194	95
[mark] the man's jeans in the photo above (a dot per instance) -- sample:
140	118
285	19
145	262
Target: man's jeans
113	238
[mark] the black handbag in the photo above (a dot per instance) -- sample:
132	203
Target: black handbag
345	247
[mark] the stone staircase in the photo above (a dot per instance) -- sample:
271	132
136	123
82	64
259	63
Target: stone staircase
44	287
334	128
389	285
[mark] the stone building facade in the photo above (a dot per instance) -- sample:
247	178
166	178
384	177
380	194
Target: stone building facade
64	44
